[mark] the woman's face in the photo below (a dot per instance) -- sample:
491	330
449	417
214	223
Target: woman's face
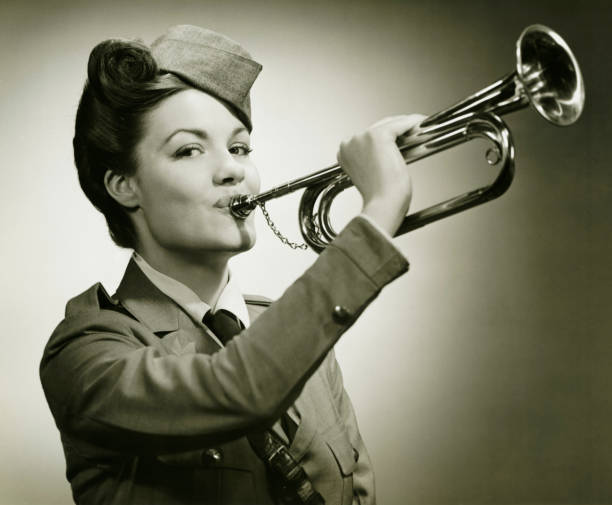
193	157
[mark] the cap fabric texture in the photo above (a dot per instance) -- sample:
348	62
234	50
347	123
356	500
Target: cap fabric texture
211	62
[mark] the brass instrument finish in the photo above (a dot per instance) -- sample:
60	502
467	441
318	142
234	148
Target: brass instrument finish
547	76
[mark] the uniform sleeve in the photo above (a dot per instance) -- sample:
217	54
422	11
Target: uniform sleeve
363	475
106	388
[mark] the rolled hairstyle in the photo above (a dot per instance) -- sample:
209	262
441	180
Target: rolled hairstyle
123	84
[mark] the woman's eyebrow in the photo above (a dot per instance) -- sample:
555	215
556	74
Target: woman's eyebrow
201	133
238	130
194	131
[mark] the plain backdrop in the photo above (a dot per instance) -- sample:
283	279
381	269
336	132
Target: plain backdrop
484	374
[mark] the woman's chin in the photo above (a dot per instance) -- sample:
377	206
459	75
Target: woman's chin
232	243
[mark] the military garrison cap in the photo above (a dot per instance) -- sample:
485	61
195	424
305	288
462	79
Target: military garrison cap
210	62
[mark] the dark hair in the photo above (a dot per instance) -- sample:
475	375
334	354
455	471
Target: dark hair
123	84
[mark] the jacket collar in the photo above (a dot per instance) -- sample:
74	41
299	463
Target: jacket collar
145	302
230	298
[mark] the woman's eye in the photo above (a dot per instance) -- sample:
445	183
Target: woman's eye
189	151
240	149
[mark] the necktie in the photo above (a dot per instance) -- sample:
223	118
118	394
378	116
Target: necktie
223	324
296	485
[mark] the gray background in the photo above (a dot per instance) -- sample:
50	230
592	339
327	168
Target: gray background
481	376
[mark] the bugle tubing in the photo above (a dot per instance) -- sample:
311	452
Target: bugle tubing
547	77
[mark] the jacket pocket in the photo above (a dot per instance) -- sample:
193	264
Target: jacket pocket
200	458
343	452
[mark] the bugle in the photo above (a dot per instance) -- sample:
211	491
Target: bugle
547	77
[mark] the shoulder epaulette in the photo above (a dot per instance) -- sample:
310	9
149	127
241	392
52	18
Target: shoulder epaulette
257	300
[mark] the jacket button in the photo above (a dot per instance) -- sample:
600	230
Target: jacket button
211	456
341	315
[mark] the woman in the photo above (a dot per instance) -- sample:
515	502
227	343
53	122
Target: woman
154	403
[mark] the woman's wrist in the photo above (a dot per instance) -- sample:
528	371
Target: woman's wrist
385	213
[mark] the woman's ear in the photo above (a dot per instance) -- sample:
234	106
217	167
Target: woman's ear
122	189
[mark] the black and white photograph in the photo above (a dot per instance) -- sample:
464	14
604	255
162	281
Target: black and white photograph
329	252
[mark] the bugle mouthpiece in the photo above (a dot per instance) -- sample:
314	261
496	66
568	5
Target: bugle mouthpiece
242	205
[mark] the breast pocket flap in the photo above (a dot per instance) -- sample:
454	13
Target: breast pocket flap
342	450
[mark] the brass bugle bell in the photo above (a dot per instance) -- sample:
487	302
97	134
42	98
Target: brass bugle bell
547	77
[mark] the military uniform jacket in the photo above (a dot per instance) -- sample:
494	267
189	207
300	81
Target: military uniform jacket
151	410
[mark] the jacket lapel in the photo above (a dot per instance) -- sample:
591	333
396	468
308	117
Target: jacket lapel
145	302
160	314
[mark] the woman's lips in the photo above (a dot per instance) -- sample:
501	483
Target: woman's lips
224	201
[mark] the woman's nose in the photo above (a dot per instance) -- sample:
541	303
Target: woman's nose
229	171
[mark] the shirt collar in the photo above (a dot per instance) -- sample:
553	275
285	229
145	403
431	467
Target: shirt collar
230	299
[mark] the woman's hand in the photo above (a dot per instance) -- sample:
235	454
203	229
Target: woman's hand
377	168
